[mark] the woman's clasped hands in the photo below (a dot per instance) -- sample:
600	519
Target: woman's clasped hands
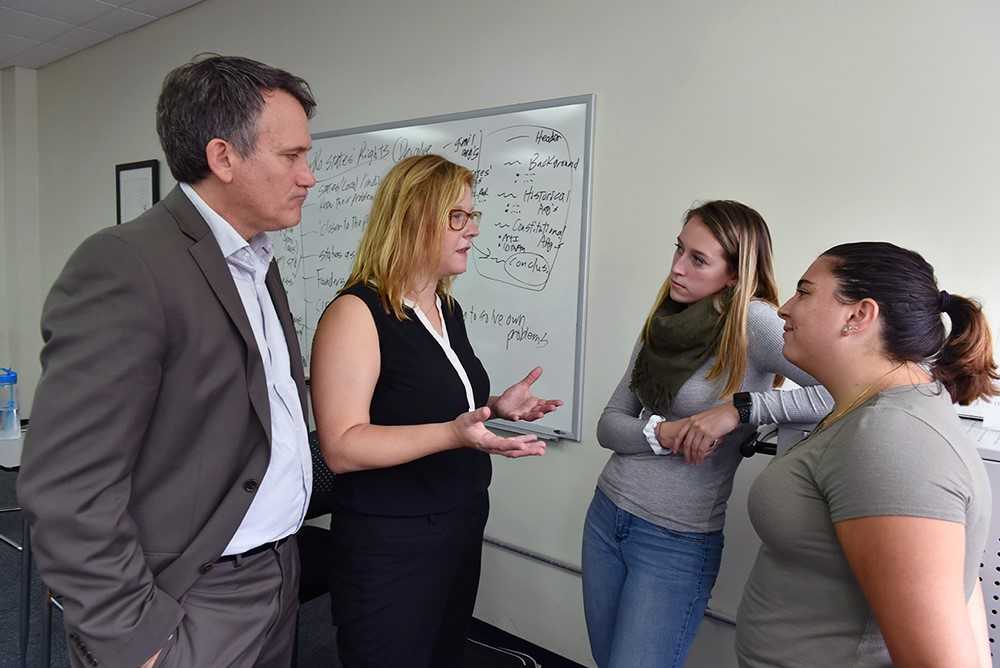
696	437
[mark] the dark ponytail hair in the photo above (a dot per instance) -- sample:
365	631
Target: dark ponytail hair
910	306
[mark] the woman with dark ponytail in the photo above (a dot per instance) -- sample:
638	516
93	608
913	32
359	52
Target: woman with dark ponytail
873	527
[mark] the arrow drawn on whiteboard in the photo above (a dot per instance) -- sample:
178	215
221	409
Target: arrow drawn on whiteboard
483	254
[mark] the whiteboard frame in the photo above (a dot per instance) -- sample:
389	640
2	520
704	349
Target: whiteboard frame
588	100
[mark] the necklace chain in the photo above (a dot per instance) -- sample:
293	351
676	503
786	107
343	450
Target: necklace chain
870	391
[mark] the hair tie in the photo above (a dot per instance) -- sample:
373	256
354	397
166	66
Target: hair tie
944	301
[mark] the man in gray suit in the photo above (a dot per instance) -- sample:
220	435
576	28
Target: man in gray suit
167	467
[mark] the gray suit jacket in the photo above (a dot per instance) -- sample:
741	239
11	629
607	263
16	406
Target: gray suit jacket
150	429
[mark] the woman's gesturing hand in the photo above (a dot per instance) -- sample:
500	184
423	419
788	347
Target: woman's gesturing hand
471	432
519	403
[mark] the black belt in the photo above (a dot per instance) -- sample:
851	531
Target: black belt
252	551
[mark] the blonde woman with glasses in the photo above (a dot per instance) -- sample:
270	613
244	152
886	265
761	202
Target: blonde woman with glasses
400	400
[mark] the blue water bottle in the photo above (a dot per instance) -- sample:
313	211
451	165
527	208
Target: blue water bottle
10	426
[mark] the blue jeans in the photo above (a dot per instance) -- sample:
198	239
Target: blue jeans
645	587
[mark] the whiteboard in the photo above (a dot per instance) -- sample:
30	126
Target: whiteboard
524	293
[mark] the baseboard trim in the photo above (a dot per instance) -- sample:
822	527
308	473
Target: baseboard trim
487	633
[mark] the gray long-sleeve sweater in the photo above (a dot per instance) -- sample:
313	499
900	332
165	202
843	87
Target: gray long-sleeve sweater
663	489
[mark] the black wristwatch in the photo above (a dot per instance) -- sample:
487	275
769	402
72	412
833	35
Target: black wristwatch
743	404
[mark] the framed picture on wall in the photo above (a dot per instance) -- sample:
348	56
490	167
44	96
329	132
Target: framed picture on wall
137	187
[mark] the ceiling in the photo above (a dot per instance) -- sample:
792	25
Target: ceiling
34	33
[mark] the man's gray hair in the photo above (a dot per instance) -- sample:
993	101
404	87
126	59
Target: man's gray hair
217	97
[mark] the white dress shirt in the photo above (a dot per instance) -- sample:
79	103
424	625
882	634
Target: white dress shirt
279	507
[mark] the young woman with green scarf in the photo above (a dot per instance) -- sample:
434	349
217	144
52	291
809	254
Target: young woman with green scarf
700	379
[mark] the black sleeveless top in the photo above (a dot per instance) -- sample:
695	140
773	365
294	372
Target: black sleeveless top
418	385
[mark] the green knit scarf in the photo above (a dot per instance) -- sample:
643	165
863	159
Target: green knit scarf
681	338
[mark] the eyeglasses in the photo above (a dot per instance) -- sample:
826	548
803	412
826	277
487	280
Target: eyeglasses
459	218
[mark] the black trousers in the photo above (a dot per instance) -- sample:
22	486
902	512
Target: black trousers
403	588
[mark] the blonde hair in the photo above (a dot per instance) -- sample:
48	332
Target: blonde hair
746	242
408	217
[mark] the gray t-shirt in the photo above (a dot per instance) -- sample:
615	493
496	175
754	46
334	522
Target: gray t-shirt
663	489
901	453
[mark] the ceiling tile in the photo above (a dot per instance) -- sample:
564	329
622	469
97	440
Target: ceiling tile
119	21
41	54
160	8
78	39
11	44
27	25
47	30
76	12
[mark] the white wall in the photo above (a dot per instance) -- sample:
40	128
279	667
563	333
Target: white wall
6	358
20	291
839	121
